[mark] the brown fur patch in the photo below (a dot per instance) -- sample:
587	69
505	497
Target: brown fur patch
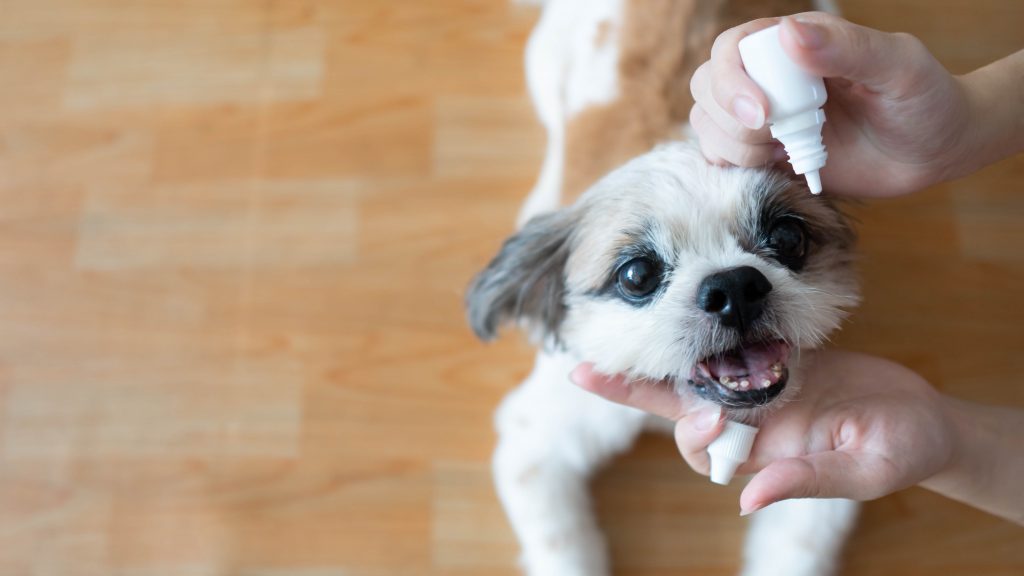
661	43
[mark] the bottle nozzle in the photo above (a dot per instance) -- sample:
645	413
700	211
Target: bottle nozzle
801	136
813	181
729	450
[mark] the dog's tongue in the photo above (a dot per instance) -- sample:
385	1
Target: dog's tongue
760	364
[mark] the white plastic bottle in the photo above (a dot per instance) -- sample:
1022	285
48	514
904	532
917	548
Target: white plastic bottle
729	450
795	99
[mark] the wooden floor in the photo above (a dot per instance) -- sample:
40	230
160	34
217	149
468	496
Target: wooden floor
234	235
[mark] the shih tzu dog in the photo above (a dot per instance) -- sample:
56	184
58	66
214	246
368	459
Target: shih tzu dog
666	268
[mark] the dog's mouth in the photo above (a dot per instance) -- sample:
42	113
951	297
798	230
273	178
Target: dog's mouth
750	375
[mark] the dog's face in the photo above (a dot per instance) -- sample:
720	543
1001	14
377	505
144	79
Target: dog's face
671	268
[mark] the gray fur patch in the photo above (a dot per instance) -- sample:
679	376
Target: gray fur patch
525	282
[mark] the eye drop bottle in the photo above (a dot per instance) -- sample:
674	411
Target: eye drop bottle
729	450
795	98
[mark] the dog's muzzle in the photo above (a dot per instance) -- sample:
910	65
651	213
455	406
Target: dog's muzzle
748	376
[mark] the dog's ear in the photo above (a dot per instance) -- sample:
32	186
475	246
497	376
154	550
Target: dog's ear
526	280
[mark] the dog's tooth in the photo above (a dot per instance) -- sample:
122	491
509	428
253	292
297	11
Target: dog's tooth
725	380
732	385
766	383
744	385
776	367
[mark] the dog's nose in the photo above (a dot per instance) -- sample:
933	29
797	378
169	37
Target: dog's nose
735	296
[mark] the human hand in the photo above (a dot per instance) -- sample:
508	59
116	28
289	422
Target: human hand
896	120
861	428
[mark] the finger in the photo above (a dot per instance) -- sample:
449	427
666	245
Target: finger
731	88
833	474
714	159
695	431
831	47
700	88
706	131
658	398
717	145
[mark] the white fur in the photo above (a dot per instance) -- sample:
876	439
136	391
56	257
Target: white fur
565	73
797	537
553	435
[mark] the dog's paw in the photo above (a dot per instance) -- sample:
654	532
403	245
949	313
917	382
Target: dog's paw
578	554
787	564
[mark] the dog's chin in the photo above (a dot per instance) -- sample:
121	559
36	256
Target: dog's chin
749	376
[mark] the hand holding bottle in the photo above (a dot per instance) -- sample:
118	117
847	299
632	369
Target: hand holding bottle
897	121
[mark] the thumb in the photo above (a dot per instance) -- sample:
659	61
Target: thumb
695	431
834	474
831	47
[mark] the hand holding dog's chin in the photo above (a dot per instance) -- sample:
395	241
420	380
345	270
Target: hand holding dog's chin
861	428
874	427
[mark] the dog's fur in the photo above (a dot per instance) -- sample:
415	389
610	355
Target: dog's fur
560	277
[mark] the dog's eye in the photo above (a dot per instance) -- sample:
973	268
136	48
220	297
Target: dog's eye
638	278
788	240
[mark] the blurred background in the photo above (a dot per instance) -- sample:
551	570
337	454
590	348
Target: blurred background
234	237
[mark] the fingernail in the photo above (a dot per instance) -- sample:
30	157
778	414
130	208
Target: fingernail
749	511
779	154
707	418
748	112
808	34
578	374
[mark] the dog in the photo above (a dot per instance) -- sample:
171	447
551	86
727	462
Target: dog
665	268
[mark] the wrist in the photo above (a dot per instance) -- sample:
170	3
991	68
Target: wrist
971	128
986	459
992	123
961	435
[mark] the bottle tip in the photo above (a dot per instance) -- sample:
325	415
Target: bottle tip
813	181
723	469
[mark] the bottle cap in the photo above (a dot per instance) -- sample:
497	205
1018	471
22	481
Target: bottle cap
729	450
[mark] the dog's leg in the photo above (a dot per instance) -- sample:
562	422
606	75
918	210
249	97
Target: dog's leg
552	436
544	78
798	537
566	71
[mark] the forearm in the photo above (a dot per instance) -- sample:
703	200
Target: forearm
987	470
995	129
